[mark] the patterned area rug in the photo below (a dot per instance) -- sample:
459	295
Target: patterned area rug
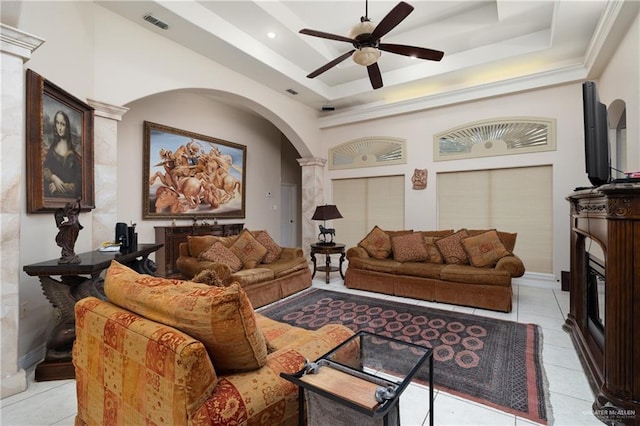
494	362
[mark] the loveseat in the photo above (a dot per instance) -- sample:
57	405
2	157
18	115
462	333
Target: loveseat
174	352
266	271
464	267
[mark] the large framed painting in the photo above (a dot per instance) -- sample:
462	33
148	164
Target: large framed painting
59	136
188	175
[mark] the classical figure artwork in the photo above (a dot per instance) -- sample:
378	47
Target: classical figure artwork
59	148
68	223
189	175
419	178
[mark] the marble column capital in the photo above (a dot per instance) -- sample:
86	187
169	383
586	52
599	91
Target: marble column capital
17	42
106	110
312	161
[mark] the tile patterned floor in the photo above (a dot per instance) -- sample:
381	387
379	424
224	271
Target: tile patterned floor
54	403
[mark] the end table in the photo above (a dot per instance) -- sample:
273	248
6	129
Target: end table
327	250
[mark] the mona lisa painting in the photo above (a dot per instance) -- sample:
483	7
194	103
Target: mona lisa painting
59	148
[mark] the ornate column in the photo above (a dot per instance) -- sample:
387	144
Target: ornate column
312	195
105	156
16	48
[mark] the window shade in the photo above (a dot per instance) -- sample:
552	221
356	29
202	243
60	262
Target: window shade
512	200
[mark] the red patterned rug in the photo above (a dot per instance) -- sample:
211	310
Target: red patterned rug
494	362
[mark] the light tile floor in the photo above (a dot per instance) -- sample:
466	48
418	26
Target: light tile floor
54	402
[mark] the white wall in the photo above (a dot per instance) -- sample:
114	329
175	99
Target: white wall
200	114
93	53
563	103
621	80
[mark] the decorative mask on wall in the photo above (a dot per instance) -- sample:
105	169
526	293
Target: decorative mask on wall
419	179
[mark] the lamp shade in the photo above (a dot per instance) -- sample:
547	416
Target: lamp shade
326	212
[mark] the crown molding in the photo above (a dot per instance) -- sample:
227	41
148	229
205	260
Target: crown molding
543	79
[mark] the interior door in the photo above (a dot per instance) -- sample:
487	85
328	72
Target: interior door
288	215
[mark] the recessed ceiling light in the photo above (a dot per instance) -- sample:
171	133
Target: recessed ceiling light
271	34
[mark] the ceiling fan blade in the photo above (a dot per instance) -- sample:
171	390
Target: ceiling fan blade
393	18
322	34
331	64
374	75
417	52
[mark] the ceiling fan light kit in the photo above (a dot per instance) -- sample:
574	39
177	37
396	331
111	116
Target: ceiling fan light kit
365	38
366	56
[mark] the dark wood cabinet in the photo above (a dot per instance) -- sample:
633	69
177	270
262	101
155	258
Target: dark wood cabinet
610	217
172	236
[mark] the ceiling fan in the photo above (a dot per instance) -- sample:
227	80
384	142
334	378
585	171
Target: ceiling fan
365	38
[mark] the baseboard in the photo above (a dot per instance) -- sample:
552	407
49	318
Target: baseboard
538	280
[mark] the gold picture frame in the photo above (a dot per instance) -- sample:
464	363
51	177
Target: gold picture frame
187	175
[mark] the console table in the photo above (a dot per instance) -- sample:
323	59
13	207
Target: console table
608	216
77	280
172	236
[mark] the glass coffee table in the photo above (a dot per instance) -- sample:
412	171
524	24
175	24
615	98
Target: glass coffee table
360	381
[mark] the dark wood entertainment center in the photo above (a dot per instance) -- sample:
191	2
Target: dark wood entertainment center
610	352
172	236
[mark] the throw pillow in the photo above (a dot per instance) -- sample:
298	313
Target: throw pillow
508	239
434	255
451	248
409	248
484	249
248	250
273	249
377	243
220	254
222	318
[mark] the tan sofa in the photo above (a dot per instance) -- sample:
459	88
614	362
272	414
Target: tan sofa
467	267
173	352
265	275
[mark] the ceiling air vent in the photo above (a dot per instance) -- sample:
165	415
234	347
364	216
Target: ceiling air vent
155	21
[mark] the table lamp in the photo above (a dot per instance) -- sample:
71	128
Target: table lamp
324	213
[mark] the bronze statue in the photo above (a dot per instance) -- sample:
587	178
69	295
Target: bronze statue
68	223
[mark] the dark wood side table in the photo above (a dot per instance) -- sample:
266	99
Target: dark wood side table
77	280
327	250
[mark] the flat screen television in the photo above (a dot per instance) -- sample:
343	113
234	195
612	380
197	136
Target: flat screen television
596	136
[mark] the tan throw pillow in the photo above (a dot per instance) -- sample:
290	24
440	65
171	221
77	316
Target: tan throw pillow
222	318
248	250
508	239
409	248
452	249
433	254
484	249
220	254
377	243
273	249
